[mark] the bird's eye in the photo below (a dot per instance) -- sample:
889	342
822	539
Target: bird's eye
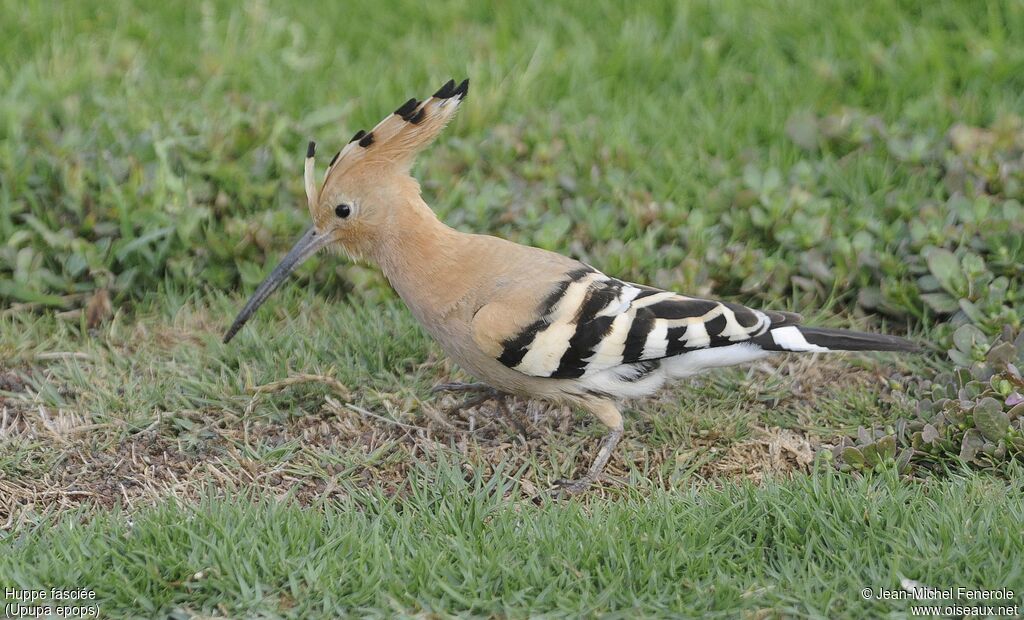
342	210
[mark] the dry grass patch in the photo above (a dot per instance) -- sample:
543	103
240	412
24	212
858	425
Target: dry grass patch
311	437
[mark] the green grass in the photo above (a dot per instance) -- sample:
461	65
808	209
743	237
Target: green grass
778	154
451	546
859	162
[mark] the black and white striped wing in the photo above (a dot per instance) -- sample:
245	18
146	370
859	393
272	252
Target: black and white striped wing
591	323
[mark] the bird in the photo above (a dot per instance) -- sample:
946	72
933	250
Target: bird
526	321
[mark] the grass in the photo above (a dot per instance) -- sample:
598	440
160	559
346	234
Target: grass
457	546
859	162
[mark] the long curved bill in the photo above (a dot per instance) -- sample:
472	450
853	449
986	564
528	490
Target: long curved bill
306	246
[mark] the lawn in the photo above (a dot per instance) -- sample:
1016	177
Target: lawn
861	163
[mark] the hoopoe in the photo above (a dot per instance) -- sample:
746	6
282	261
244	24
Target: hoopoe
526	321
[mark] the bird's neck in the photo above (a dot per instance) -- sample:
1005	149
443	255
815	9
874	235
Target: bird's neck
421	257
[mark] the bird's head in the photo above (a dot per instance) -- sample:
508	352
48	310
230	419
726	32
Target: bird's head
366	184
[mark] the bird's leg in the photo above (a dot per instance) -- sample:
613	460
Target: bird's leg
609	414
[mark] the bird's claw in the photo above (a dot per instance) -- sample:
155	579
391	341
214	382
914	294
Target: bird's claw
462	387
484	394
569	488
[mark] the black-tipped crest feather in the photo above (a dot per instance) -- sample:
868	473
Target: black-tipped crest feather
445	91
407	108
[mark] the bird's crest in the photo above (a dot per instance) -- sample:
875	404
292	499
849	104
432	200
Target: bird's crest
394	142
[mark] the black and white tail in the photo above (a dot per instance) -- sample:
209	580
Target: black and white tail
800	339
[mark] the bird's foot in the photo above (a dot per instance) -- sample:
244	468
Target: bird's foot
485	393
568	488
462	387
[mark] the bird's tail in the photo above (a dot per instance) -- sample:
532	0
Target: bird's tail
798	338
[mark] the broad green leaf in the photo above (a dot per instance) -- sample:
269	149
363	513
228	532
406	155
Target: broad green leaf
946	269
971	444
990	419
